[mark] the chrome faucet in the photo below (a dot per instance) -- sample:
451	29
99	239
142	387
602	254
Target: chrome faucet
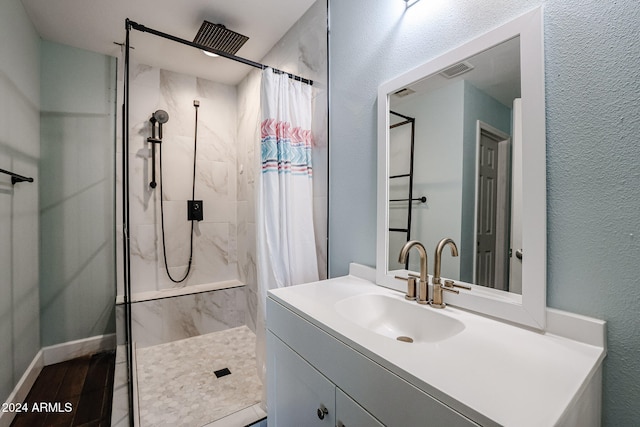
423	289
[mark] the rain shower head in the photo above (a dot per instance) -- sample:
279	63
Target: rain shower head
160	116
218	37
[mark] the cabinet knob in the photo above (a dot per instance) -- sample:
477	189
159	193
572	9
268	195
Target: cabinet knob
322	411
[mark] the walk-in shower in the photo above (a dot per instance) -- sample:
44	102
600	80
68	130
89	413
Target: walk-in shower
184	294
187	257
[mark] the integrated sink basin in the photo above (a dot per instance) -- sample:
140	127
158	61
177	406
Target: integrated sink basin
398	319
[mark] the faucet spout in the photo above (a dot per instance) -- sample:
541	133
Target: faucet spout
437	263
424	274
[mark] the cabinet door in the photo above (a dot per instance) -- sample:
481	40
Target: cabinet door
350	414
297	392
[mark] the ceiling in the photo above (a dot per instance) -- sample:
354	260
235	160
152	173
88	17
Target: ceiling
496	72
96	25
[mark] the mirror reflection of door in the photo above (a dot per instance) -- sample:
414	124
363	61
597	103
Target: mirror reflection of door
493	204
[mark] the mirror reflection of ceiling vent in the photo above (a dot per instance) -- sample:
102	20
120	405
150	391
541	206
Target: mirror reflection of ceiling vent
404	92
456	70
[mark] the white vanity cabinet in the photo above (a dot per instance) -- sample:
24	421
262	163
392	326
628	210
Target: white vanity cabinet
488	373
350	414
307	368
305	397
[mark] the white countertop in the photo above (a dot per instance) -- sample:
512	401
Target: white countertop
511	375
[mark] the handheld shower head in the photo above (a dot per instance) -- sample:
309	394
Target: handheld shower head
160	116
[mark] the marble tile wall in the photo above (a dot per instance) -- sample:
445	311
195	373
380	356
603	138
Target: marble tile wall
302	51
214	241
19	226
165	320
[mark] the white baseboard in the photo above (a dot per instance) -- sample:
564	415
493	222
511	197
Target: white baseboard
49	356
72	349
23	387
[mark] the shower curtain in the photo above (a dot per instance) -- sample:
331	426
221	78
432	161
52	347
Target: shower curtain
286	251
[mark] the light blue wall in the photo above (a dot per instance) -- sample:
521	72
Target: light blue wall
19	152
77	279
438	170
593	122
477	106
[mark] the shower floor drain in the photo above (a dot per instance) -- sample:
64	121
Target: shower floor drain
405	339
222	372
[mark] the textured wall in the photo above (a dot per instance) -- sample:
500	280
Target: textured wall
593	181
76	194
19	152
592	101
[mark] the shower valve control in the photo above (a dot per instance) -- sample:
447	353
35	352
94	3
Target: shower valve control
194	210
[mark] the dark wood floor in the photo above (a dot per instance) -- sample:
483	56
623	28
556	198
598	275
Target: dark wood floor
73	393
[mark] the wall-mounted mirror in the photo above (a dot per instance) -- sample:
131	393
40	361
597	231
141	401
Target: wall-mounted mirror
462	155
452	168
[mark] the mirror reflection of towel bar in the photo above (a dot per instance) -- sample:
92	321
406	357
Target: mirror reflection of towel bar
422	199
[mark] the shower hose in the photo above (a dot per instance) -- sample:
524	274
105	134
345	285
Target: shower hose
193	196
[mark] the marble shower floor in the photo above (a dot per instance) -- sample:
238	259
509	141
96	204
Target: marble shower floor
177	385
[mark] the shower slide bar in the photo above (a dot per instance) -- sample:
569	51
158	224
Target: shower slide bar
16	178
134	25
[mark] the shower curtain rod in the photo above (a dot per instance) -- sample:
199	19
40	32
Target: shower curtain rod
131	24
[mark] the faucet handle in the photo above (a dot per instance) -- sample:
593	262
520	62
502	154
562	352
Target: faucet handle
451	284
437	295
411	286
407	278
